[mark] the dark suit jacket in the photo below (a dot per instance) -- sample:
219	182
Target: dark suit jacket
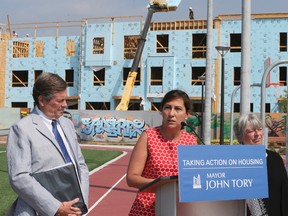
277	203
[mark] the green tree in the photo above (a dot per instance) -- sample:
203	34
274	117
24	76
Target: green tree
283	101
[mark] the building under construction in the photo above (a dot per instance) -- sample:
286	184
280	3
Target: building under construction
96	61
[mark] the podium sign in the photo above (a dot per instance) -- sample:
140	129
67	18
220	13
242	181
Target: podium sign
222	172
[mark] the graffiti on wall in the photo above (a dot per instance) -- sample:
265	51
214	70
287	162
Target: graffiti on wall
113	127
275	122
124	127
276	125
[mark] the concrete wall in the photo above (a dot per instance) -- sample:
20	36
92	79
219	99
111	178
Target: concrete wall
8	116
126	126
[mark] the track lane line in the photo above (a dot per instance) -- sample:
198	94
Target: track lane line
106	194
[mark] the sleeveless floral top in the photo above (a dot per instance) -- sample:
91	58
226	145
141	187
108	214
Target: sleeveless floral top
162	161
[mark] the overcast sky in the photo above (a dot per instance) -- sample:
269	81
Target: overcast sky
23	11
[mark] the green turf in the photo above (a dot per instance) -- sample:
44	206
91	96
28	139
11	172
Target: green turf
7	194
93	158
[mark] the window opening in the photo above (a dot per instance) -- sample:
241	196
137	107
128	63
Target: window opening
19	104
20	78
162	43
69	77
235	42
283	76
156	76
237	76
156	106
237	107
197	72
97	105
20	49
99	77
199	45
125	76
37	73
267	108
98	45
130	46
283	42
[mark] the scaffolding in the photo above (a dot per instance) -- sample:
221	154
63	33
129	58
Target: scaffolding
179	25
3	48
2	71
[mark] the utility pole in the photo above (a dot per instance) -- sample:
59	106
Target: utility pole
208	76
245	58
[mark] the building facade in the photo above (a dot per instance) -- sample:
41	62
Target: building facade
96	62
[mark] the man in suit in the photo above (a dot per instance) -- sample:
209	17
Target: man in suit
32	148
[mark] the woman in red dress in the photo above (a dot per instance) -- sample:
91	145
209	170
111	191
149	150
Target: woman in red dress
155	153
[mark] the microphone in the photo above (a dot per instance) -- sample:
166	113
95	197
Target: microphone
183	124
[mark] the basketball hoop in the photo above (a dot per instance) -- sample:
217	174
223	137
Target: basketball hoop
276	91
274	84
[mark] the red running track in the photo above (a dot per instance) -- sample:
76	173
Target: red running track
109	195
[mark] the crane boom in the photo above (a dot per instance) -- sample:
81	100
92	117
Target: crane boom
154	6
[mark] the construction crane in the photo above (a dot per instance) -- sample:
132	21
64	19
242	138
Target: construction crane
154	6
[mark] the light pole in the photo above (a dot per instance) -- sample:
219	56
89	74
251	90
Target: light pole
202	78
222	50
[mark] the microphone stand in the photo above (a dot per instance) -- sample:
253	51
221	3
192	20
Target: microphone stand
183	124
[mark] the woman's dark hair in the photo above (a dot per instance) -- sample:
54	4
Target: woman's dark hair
46	85
173	94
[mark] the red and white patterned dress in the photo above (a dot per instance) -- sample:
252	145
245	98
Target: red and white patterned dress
162	161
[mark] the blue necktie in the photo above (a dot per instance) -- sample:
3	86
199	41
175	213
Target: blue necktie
60	141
